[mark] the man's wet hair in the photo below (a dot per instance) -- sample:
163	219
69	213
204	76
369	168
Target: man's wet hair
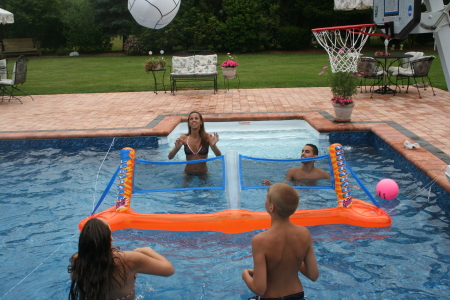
315	149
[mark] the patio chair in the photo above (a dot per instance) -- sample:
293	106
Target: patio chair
3	68
419	69
3	74
19	76
370	69
405	63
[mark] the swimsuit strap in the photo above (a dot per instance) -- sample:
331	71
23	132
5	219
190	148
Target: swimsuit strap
127	296
187	143
132	291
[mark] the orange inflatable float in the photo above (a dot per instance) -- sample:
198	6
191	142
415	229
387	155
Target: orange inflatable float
349	211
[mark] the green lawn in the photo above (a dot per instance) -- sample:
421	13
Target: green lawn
67	75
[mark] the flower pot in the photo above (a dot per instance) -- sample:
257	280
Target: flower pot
229	72
343	113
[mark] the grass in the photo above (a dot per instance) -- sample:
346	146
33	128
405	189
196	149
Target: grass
103	74
117	43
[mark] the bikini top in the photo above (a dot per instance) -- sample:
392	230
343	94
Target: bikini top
201	151
131	293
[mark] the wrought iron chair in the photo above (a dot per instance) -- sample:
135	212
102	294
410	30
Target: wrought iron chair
3	73
19	76
405	63
419	69
3	68
370	68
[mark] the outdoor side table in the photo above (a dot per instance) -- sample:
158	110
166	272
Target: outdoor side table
162	81
226	82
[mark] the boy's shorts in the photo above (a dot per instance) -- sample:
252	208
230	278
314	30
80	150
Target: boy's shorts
298	296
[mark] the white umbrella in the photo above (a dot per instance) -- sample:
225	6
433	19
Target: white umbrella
6	17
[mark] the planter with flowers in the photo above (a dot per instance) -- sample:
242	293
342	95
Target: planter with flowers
344	85
155	63
229	66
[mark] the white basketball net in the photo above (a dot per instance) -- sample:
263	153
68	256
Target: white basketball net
343	46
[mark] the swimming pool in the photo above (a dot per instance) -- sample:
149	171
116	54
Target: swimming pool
49	189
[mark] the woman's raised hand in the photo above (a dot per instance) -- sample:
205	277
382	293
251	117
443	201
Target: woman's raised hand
213	139
179	142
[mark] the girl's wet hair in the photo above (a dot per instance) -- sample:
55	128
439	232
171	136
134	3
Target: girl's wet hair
95	271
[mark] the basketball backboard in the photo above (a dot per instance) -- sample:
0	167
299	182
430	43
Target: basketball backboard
402	15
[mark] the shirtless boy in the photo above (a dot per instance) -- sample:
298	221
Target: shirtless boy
307	174
281	251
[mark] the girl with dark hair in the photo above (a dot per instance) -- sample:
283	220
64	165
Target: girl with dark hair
196	144
101	272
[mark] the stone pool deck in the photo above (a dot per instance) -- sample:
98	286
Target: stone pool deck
393	118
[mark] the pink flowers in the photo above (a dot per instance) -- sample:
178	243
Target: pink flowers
229	64
342	100
324	68
381	53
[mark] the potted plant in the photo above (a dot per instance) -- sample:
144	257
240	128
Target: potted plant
155	63
344	85
229	66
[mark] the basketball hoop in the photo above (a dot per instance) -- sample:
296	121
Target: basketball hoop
344	43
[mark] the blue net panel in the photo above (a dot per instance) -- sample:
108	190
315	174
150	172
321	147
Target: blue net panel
156	176
252	171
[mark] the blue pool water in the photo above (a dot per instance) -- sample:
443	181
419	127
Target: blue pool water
48	188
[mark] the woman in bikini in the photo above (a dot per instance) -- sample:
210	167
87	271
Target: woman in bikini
101	272
196	144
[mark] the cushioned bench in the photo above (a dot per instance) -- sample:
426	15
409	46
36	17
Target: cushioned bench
193	65
19	47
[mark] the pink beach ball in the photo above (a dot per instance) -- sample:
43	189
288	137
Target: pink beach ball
387	189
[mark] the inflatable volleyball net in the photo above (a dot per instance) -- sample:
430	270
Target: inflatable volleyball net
233	174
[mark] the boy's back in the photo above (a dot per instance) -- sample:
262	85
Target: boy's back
280	252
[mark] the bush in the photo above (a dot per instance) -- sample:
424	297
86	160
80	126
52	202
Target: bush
80	30
293	38
424	38
62	51
245	28
133	46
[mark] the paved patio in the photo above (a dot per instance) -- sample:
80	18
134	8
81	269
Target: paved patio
393	118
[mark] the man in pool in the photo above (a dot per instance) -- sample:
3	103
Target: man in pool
307	174
281	251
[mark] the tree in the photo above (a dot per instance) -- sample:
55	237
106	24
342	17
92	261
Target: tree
245	28
81	31
114	18
37	19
